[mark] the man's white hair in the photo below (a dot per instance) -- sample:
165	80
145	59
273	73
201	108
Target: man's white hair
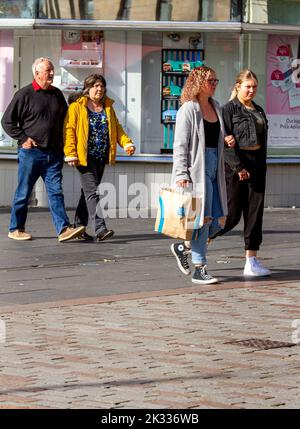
38	61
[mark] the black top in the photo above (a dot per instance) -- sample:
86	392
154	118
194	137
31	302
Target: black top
212	132
37	114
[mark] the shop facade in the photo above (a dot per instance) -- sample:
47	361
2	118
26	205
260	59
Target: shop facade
145	49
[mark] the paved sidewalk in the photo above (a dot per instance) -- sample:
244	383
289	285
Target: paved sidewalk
149	339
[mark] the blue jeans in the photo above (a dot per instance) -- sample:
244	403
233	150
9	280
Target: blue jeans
35	163
212	208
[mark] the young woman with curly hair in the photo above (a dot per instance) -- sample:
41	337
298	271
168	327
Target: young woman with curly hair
198	161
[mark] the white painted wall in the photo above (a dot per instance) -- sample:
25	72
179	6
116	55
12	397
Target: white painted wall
282	184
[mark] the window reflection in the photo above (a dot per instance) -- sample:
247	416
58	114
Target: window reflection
17	9
284	12
139	10
134	10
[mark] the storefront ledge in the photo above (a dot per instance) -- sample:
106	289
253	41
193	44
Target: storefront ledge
146	158
9	23
283	160
4	155
168	159
138	25
15	23
120	158
271	28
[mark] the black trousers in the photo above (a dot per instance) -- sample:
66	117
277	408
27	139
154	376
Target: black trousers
246	198
88	204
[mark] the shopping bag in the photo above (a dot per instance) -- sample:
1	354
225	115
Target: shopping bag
178	214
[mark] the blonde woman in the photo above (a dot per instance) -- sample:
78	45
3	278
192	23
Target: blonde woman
245	166
198	161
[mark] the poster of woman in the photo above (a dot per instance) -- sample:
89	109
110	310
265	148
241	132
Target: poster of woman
283	90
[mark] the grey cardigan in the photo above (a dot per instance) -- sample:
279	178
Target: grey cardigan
189	152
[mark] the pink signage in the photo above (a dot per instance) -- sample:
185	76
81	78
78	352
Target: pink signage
283	92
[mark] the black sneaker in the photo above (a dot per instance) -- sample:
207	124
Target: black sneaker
181	254
104	235
200	276
85	237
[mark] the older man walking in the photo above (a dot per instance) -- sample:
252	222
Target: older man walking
35	118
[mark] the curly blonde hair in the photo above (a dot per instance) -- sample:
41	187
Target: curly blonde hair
194	83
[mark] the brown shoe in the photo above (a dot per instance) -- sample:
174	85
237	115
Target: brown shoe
70	232
19	235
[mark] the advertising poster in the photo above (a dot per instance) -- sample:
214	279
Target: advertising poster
283	90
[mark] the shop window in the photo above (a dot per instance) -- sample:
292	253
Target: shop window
18	49
285	12
18	9
140	10
221	53
281	12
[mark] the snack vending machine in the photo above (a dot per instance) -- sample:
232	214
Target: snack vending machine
176	65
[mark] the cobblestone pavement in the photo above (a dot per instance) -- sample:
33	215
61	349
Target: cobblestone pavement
167	349
116	325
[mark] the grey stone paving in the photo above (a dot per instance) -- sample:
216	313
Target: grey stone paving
77	331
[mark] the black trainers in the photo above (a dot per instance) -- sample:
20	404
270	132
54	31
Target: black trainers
181	254
104	235
200	276
85	237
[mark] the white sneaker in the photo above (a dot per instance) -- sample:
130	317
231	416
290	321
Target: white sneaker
253	268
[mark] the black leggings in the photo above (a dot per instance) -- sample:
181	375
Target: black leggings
246	197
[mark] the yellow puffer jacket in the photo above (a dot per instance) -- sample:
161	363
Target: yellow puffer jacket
76	132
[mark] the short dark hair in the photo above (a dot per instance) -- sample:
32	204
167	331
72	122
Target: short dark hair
90	81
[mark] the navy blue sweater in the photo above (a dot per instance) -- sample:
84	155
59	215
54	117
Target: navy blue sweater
37	114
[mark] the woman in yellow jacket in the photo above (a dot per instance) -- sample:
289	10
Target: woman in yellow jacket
91	134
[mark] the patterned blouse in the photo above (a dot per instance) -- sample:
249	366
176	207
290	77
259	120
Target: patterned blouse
98	143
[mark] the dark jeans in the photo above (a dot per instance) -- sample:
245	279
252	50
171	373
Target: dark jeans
88	205
32	164
246	198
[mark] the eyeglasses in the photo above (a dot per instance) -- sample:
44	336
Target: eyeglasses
213	81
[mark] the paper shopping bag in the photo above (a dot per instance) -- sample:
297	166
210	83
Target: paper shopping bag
178	214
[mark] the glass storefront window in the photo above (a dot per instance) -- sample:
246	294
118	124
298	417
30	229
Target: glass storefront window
18	9
141	10
284	12
131	62
280	12
221	52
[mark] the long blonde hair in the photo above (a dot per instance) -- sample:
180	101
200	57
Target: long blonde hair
194	83
243	75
